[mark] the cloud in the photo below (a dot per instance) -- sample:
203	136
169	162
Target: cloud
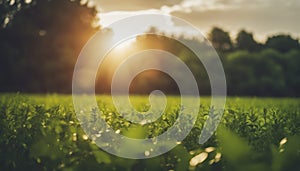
261	20
106	19
132	5
264	17
260	16
189	6
169	6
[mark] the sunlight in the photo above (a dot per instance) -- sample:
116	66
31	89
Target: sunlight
120	51
124	45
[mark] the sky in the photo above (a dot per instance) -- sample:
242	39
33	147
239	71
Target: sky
262	17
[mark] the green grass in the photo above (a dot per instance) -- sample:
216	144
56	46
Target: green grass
41	132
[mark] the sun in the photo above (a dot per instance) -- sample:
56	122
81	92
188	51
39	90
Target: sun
120	51
124	45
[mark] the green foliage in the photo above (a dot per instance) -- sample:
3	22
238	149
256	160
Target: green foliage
262	73
245	41
250	71
35	48
220	39
43	42
41	132
282	43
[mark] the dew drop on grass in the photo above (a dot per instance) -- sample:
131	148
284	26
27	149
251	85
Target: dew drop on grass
209	149
192	152
28	1
61	165
143	122
12	2
85	137
283	141
147	153
198	159
74	138
218	157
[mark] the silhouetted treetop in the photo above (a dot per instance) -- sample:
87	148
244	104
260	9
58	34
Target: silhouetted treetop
9	8
282	43
220	39
245	41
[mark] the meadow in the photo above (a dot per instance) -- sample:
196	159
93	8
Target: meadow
41	132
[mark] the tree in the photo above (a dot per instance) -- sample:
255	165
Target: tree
255	74
292	72
220	39
40	47
245	41
9	8
269	74
239	73
282	43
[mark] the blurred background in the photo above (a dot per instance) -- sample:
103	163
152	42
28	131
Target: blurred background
257	42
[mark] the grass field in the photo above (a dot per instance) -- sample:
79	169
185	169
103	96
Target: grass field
41	132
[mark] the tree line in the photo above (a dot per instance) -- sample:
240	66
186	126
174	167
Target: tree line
259	69
251	68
